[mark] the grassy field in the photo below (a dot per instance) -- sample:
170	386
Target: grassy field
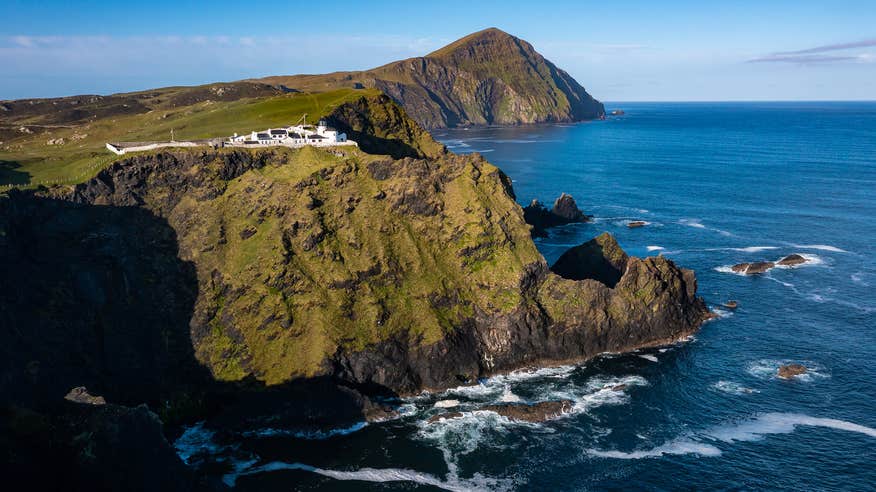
28	159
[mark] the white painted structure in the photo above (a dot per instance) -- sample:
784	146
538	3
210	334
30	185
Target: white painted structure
121	148
292	136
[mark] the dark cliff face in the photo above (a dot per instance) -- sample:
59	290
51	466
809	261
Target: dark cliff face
487	78
275	265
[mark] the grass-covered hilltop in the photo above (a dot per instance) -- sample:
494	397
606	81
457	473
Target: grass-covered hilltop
486	78
289	284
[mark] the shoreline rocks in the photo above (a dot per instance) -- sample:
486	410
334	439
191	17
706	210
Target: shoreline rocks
755	268
731	304
636	224
534	413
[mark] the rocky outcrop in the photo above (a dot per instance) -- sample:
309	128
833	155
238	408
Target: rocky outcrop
486	78
636	224
600	259
754	268
565	211
792	260
535	412
791	370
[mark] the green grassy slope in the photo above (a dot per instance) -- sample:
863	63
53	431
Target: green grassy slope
29	159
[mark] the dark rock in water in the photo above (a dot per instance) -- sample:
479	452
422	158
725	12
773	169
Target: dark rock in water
753	268
444	416
636	223
80	395
566	208
618	387
599	259
537	412
731	304
791	370
565	211
791	260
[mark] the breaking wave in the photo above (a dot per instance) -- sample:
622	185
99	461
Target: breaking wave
703	444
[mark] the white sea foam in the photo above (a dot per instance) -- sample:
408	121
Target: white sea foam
508	396
699	225
722	313
381	475
755	429
769	369
822	247
196	440
728	269
733	388
306	434
649	357
858	278
446	404
754	249
655	248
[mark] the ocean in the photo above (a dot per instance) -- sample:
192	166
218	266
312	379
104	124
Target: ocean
717	184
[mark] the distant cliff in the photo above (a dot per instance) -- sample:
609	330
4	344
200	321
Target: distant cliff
487	78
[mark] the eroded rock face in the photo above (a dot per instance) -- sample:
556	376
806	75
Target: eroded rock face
536	412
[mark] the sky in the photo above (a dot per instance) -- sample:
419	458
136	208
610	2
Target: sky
648	50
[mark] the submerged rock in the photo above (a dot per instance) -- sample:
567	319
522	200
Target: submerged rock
536	412
731	304
791	370
792	259
753	268
636	223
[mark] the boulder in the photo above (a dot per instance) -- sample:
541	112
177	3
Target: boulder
618	387
536	412
81	395
636	223
731	304
791	370
753	268
792	259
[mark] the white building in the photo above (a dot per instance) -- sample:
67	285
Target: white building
293	136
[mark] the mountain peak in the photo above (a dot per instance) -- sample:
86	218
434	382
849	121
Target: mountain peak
490	36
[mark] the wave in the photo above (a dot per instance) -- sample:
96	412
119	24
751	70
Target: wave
652	358
733	388
722	313
699	225
655	248
446	404
382	475
754	249
769	369
822	247
306	434
752	430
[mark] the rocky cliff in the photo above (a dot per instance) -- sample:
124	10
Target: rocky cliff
275	265
486	78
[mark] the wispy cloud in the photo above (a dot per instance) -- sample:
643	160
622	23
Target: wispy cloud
867	43
821	54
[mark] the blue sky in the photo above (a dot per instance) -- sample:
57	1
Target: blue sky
619	50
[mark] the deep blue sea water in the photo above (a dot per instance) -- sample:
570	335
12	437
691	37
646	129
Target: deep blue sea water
718	184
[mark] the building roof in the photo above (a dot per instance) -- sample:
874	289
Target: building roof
278	132
294	135
315	136
250	142
263	136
